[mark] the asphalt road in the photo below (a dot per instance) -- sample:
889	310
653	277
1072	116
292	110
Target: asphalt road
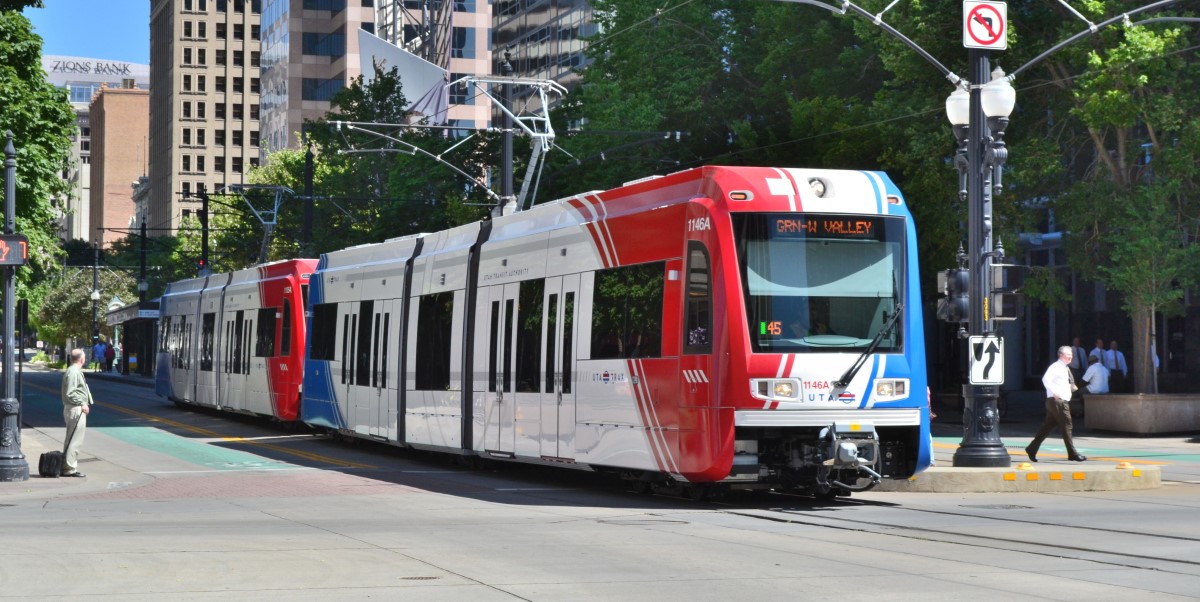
185	505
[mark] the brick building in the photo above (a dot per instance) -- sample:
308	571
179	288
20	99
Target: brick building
120	123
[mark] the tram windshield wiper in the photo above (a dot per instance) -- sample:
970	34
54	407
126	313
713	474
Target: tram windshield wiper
839	386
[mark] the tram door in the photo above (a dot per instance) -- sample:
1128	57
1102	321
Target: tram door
368	373
558	373
499	304
235	358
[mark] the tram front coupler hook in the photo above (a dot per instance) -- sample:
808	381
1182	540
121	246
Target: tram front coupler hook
851	447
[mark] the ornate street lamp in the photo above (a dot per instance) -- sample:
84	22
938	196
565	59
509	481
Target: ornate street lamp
978	115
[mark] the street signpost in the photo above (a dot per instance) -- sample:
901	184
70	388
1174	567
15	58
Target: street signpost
987	360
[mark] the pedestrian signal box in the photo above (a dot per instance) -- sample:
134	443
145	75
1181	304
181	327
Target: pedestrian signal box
14	249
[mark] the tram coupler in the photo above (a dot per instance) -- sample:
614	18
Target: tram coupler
850	447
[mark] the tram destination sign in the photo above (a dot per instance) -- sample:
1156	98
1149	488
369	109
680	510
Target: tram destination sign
862	227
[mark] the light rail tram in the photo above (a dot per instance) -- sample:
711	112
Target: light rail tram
747	327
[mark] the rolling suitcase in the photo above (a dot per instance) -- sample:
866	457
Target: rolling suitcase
50	465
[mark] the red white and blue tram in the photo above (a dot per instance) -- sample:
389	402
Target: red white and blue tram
744	326
235	341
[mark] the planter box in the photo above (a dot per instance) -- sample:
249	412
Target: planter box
1144	414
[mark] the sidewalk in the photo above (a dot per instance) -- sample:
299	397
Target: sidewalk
1025	411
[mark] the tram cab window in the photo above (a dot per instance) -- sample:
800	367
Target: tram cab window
818	283
698	328
627	308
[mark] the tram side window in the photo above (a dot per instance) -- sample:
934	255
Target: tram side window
264	339
164	329
362	361
627	309
324	331
529	336
433	342
207	332
698	328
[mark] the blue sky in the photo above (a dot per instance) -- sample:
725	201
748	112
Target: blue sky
117	30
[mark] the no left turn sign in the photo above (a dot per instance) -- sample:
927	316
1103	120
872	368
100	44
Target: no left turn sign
985	25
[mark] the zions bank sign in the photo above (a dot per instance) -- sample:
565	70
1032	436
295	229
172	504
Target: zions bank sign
93	67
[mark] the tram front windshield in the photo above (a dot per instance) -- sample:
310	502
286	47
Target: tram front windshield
820	282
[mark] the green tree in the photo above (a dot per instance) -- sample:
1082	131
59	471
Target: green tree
66	310
42	122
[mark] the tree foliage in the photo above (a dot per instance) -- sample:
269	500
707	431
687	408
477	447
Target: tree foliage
66	311
42	123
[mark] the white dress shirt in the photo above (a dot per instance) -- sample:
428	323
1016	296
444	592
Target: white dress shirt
1096	378
1057	380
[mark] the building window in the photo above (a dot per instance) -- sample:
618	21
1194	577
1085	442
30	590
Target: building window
255	32
253	138
460	93
200	163
219	137
236	165
237	137
201	56
187	56
222	6
187	163
238	111
187	83
239	31
219	164
254	86
187	29
464	6
462	46
221	31
329	5
253	162
200	83
187	4
187	136
324	44
238	58
187	109
220	110
368	27
202	27
220	83
186	189
200	137
254	111
319	89
199	110
237	85
254	59
220	57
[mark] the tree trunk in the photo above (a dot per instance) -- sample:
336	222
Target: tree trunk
1141	367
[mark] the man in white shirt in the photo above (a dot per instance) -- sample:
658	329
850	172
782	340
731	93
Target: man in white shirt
1118	370
1079	360
1060	385
1096	376
1098	351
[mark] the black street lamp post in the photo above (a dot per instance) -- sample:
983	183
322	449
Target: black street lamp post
982	115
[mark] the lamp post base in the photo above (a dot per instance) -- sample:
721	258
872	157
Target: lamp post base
981	446
13	466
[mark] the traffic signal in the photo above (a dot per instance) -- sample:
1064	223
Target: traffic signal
955	283
1008	302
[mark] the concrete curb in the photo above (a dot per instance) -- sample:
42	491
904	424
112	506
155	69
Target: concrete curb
1026	478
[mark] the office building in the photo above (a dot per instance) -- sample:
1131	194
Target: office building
204	105
83	77
120	123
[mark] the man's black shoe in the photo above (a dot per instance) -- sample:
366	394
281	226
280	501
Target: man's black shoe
74	474
1079	459
1032	455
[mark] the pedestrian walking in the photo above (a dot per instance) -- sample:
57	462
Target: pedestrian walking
77	401
1060	385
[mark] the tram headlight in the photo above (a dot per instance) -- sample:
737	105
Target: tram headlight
785	388
775	388
891	388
